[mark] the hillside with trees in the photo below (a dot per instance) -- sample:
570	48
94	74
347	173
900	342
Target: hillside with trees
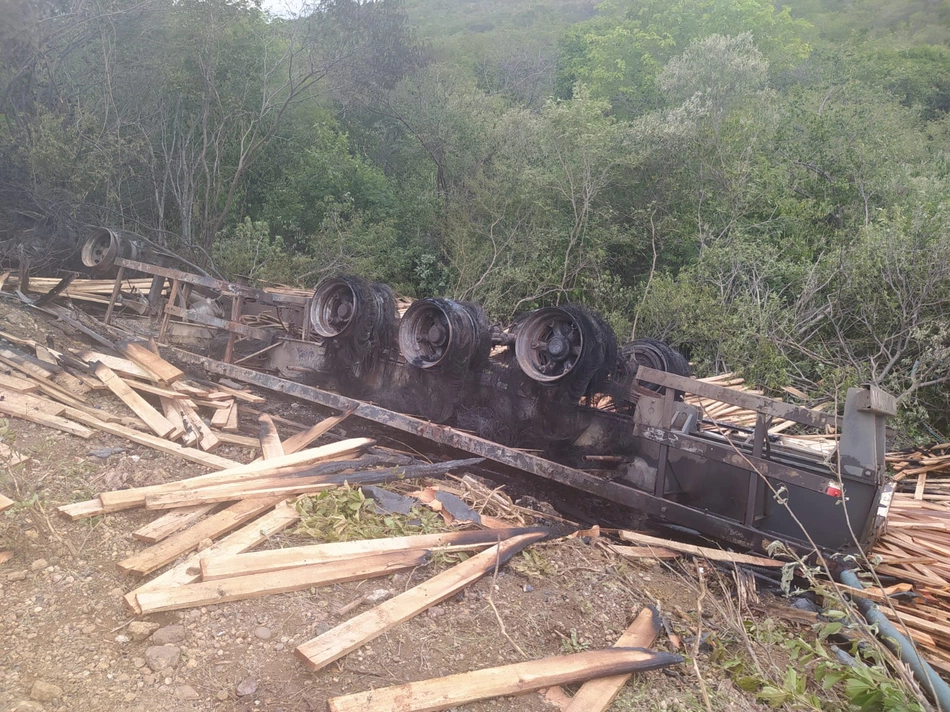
766	186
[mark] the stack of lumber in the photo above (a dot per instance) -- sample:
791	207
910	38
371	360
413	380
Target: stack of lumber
923	461
915	548
132	294
724	413
719	416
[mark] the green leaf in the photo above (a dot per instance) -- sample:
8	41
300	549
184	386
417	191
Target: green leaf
748	683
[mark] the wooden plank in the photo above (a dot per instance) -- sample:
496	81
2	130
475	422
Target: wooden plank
456	690
138	405
258	562
171	522
711	554
644	552
270	439
173	415
116	363
16	408
243	587
173	411
240	440
140	354
247	489
296	483
15	383
598	695
135	497
154	390
191	454
47	385
82	510
29	402
29	365
233	425
5	503
303	439
244	539
220	417
174	546
359	630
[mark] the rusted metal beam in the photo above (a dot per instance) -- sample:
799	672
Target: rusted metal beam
196	317
219	285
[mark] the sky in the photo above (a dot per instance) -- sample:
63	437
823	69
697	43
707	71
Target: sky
283	8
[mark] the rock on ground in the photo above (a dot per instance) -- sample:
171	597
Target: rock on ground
140	630
45	691
168	634
162	657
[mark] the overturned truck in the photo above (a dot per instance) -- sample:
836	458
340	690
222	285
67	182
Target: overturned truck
553	381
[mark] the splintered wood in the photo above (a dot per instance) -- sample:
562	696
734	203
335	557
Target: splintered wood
916	548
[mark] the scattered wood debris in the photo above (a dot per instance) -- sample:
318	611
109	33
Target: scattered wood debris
213	521
915	549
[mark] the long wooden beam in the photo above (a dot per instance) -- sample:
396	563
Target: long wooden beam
456	690
258	562
136	496
226	288
243	587
298	483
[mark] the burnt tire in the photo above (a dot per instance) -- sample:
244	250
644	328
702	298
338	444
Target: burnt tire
453	337
654	354
567	346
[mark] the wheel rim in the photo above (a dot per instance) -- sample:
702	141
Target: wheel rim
549	344
100	250
426	334
335	304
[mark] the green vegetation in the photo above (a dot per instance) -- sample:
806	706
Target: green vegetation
344	514
764	185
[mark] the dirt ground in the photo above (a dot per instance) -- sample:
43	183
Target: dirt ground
63	621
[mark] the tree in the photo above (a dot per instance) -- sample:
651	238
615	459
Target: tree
619	53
